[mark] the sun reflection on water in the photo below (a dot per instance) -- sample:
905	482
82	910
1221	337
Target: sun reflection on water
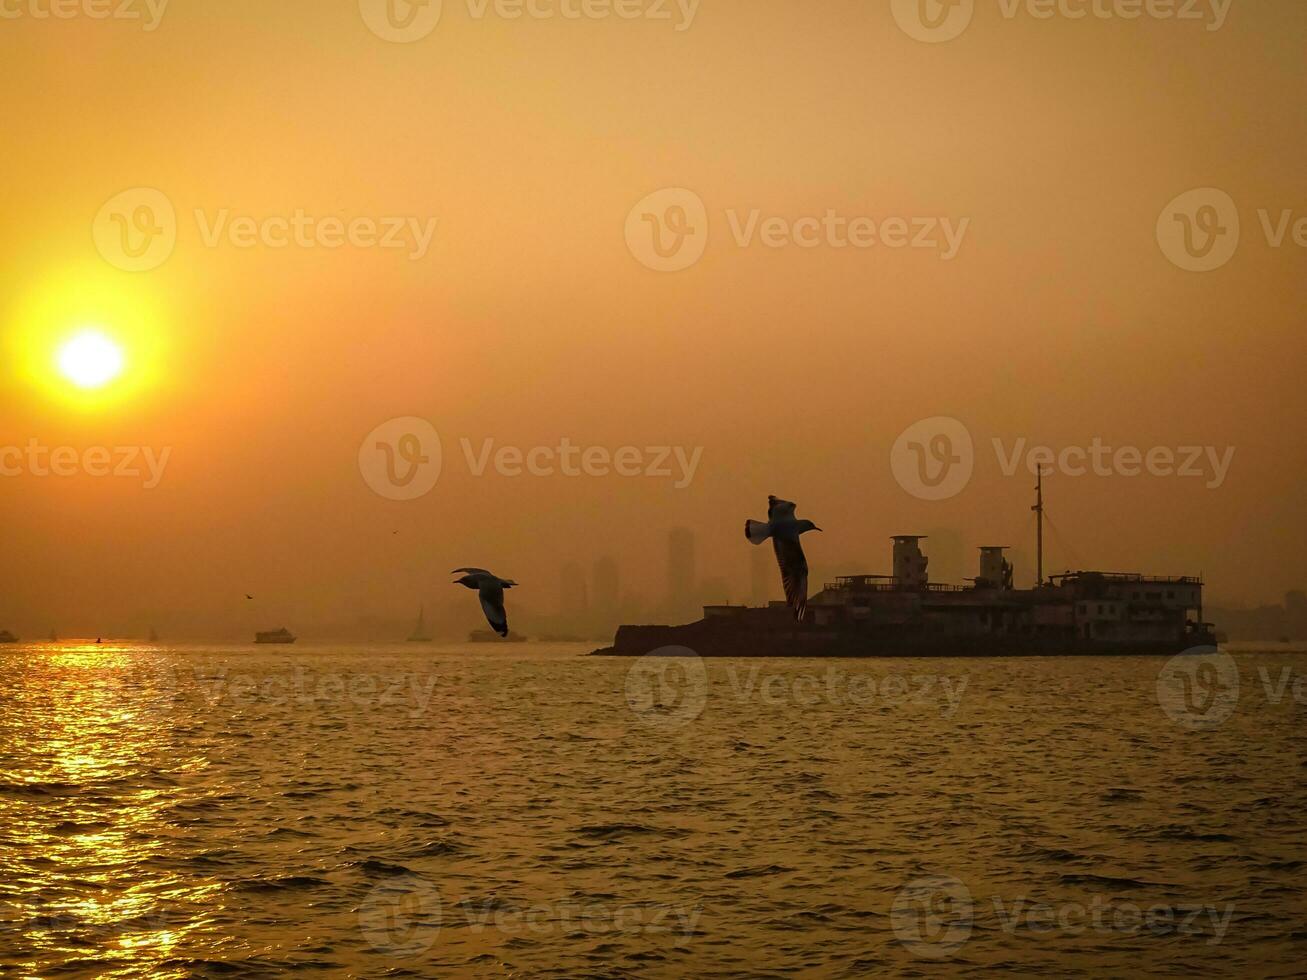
88	769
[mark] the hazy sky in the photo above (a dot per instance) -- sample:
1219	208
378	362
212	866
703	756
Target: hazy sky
1050	148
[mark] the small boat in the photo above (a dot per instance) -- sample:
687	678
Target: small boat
282	635
488	636
54	637
7	637
154	637
420	634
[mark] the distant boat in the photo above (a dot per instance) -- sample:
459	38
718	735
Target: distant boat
420	634
54	637
7	637
488	636
154	637
282	635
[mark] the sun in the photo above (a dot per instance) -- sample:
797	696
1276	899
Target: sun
87	339
90	359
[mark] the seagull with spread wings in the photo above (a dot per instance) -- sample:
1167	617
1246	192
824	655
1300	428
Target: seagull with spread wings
784	531
490	587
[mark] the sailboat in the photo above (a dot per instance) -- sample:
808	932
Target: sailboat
54	637
154	637
420	634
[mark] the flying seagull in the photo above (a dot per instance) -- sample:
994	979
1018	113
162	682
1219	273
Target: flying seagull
784	532
490	587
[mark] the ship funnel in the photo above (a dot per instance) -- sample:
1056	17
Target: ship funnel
909	562
995	569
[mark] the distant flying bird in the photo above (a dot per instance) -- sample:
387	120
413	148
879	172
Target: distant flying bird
784	532
248	596
490	587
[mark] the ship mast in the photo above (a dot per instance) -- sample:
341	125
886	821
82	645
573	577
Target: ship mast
1039	528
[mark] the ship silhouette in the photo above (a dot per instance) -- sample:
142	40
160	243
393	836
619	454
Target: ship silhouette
282	635
904	613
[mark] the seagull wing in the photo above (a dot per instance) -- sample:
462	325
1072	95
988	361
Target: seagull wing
794	574
474	571
492	603
778	509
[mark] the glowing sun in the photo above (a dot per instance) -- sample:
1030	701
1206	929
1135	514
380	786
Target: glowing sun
89	359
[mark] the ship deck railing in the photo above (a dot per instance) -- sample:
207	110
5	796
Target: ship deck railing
885	583
1133	577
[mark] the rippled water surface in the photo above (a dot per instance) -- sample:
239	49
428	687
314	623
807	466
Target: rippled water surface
525	811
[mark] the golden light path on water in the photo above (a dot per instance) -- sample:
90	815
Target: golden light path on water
99	761
464	811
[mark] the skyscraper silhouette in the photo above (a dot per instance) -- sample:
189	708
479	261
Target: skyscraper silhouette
606	590
762	570
573	596
680	571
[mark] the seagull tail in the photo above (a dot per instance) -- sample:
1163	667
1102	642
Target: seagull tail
756	531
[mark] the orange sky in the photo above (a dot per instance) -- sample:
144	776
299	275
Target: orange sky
529	141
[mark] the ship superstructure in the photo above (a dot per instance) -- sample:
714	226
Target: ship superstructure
906	613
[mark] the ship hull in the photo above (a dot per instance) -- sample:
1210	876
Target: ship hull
705	641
